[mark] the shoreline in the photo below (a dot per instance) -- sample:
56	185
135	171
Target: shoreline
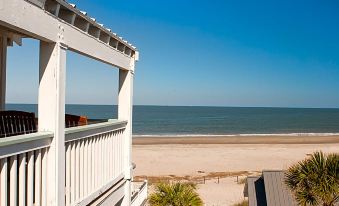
241	134
237	139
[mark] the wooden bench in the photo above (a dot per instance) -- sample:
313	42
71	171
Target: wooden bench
74	120
18	122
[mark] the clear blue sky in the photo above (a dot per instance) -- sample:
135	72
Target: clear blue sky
225	53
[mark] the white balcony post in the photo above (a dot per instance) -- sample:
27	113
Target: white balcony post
3	59
125	106
52	116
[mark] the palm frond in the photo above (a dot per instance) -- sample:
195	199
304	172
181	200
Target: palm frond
175	194
315	180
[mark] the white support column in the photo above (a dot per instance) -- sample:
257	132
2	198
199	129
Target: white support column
125	106
52	116
3	59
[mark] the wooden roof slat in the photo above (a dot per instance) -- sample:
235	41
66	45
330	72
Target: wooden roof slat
19	15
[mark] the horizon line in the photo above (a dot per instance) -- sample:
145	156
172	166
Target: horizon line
282	107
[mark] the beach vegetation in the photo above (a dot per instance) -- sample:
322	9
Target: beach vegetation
175	194
315	180
242	181
242	203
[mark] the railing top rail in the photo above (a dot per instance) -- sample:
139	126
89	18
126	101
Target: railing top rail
81	132
6	141
143	185
23	143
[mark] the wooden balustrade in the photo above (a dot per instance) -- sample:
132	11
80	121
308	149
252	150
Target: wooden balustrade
94	163
23	169
94	160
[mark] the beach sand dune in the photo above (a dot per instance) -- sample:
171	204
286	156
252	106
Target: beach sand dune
196	160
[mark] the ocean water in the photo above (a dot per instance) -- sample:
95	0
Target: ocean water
191	121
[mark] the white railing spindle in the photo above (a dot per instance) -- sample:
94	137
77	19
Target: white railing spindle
68	175
44	191
77	170
13	194
3	181
38	177
30	178
81	175
22	179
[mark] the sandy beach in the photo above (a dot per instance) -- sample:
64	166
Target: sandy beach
216	163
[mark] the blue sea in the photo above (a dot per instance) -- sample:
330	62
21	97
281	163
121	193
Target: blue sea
194	120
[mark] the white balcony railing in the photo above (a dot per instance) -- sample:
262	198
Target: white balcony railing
23	169
94	160
94	163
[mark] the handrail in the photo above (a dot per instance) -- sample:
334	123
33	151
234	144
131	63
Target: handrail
82	132
23	143
91	197
134	196
138	192
143	185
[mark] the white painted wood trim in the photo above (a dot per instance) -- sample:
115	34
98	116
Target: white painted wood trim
19	139
85	167
119	180
90	166
30	178
82	132
125	107
73	166
22	192
77	170
93	177
68	175
10	146
45	170
81	176
13	183
140	193
4	181
38	177
113	196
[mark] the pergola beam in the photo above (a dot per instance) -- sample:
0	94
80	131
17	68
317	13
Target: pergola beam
31	20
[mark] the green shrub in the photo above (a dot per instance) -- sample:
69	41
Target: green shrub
175	194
